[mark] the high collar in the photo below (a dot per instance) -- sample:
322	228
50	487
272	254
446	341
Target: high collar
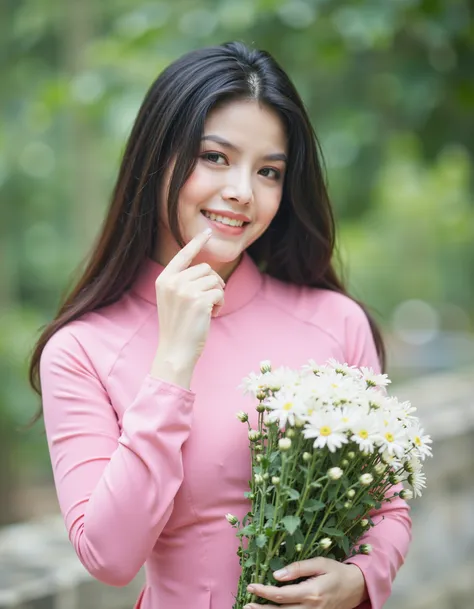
241	287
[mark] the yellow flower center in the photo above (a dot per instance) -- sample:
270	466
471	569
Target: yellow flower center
310	411
363	434
345	419
418	441
335	385
288	406
325	430
389	436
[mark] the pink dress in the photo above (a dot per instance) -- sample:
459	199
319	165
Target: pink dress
145	470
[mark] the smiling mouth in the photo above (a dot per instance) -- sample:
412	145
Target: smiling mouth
223	219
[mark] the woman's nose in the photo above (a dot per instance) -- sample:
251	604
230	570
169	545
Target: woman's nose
239	190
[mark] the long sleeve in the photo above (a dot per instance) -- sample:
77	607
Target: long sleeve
390	537
115	490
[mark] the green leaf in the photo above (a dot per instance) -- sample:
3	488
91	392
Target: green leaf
345	544
355	512
248	530
293	494
261	540
276	563
291	523
269	510
333	532
314	505
250	561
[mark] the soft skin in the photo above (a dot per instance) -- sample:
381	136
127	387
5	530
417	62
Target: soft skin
240	169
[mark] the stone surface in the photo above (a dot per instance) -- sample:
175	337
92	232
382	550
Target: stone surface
39	569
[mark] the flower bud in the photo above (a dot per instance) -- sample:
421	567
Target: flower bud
365	548
366	479
393	478
266	475
307	457
233	520
406	494
325	543
284	444
259	458
299	422
351	455
254	435
299	547
276	480
364	522
350	493
258	478
242	416
261	395
290	433
258	448
265	366
344	463
379	468
260	407
335	473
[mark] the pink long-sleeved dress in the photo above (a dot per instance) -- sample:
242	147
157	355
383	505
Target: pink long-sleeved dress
146	470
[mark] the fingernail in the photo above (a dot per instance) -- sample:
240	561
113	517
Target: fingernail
250	588
208	231
248	607
282	573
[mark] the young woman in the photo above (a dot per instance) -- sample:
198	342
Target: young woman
216	253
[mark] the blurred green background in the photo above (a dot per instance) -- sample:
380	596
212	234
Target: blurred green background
389	86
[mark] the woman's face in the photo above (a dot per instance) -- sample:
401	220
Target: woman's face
238	178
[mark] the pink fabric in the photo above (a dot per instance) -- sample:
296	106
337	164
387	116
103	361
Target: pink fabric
146	471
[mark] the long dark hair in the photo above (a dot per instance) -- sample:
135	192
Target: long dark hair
298	245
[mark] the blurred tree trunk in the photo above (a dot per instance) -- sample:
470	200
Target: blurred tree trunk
79	139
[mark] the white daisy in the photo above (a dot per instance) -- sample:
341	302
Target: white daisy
253	383
343	369
421	441
373	379
391	437
417	480
285	407
328	430
364	433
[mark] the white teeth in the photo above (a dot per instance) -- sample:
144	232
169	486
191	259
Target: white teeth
222	219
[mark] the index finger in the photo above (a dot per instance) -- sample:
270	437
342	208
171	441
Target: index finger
187	254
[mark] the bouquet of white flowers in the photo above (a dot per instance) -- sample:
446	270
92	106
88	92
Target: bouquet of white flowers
329	447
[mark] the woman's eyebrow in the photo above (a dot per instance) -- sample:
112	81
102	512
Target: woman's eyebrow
276	156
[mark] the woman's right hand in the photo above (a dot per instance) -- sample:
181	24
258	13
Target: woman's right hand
187	297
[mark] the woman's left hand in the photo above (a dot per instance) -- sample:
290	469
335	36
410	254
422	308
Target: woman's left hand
331	585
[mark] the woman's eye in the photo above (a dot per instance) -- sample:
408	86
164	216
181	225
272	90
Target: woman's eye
270	172
215	157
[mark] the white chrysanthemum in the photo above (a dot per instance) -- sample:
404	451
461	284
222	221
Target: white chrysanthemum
376	400
392	436
373	379
254	383
405	412
417	480
310	368
284	377
328	430
285	406
421	441
391	460
343	369
365	432
350	416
